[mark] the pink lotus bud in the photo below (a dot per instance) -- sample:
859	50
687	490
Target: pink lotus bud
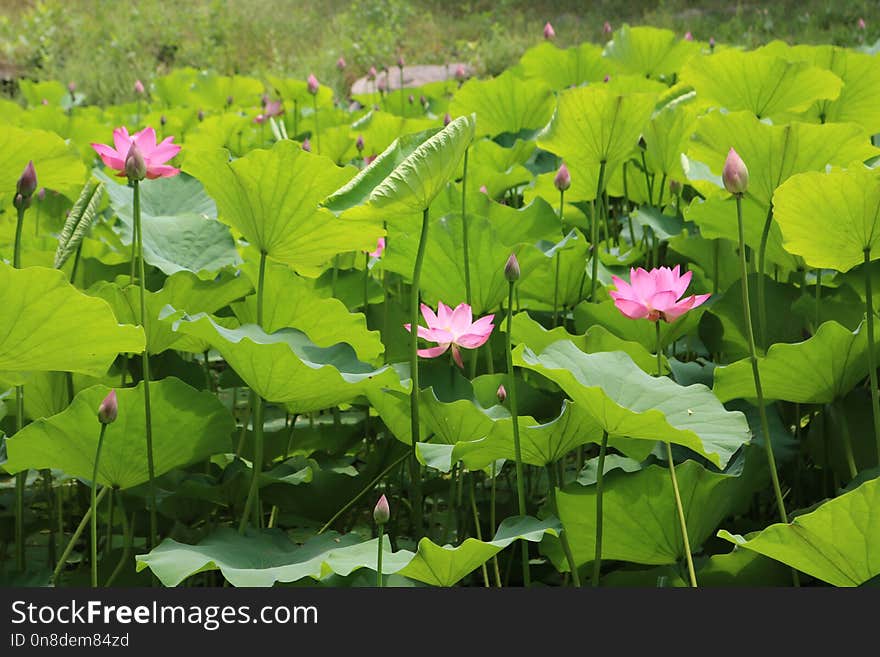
549	32
607	78
483	190
674	187
259	119
460	72
162	120
382	85
359	144
711	43
446	119
412	99
381	512
41	195
201	115
229	101
688	36
45	101
27	182
340	63
71	87
735	174
423	100
307	145
861	23
135	166
563	178
139	87
400	61
313	84
369	159
20	201
372	73
511	269
501	393
109	409
606	28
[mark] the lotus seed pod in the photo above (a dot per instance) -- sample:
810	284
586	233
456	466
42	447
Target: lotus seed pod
109	409
135	166
735	174
511	269
381	512
501	393
563	178
27	182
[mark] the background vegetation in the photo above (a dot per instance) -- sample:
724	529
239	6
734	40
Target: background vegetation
103	45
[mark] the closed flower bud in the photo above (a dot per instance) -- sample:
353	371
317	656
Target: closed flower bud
109	409
381	512
27	183
511	269
340	63
20	202
307	145
606	28
359	144
711	43
312	83
400	62
71	87
607	78
412	99
501	393
229	101
563	178
139	87
674	186
372	73
549	32
41	194
484	190
423	100
201	115
460	72
135	166
162	120
735	174
688	36
446	119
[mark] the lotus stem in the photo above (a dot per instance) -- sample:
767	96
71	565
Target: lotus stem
600	477
145	356
556	278
366	284
75	537
477	529
662	192
762	304
21	477
818	296
379	556
511	391
872	360
847	440
464	232
681	519
94	509
563	536
253	498
649	183
594	237
492	523
317	132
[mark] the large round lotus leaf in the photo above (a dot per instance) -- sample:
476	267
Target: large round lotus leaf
859	99
408	174
204	90
504	104
649	51
819	370
830	219
774	153
380	129
272	196
57	166
290	301
293	90
188	426
765	86
836	543
47	324
627	402
561	69
595	124
286	367
640	520
667	136
606	315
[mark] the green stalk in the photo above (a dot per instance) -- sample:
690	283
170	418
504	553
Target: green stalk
762	304
94	508
556	279
662	192
477	529
765	427
649	183
317	133
594	237
464	233
678	506
511	391
253	498
415	470
872	362
379	557
21	477
600	477
563	535
75	537
366	284
493	525
818	295
402	102
716	261
847	440
154	522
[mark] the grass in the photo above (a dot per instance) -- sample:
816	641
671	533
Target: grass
105	45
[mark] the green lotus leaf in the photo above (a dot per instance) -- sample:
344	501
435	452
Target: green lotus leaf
504	104
47	324
458	420
667	136
640	521
774	153
380	129
572	254
606	314
819	370
830	219
286	367
201	89
56	163
272	196
766	86
290	301
188	426
593	125
407	176
649	51
563	68
627	402
836	543
293	90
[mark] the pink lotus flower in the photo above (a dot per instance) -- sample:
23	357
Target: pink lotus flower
454	328
273	108
655	294
155	155
380	248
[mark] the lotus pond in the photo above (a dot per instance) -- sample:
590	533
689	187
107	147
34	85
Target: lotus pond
644	284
